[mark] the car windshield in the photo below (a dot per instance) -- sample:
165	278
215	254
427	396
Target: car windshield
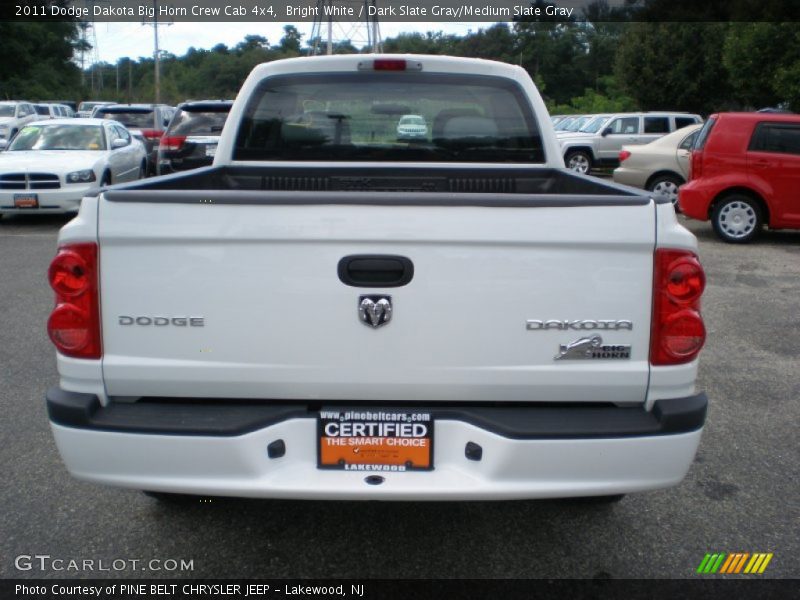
594	125
412	121
87	106
577	124
135	119
59	137
564	123
7	110
199	122
343	116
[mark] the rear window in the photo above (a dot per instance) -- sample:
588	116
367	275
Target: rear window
136	119
703	135
205	122
783	138
345	117
41	109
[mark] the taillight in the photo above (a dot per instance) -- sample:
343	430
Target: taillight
624	155
172	142
74	324
678	332
696	164
152	134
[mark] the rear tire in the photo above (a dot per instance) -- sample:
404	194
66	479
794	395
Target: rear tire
737	219
666	186
578	161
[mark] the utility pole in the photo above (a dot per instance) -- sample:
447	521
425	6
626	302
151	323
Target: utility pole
157	58
336	16
156	53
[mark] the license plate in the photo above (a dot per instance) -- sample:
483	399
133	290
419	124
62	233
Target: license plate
26	201
211	150
375	440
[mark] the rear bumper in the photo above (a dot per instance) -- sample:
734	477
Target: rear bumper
694	200
528	452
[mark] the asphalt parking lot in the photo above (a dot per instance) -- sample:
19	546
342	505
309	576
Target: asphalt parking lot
741	494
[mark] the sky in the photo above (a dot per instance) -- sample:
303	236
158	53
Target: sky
118	40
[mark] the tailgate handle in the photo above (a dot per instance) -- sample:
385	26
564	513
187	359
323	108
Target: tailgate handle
375	270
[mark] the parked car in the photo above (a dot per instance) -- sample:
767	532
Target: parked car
51	110
590	127
85	108
661	166
577	123
73	106
564	123
147	122
745	173
14	115
602	148
50	165
412	127
191	138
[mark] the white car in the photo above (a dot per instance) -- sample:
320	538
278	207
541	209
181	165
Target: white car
412	127
50	165
87	108
49	110
14	116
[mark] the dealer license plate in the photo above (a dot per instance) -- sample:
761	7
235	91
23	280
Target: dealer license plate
367	439
26	201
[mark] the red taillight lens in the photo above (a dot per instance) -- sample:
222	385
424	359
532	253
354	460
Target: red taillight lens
678	332
152	134
624	155
389	64
68	274
74	324
685	280
172	142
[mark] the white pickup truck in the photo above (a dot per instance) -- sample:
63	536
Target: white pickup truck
331	312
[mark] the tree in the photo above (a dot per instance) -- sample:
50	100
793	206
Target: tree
763	62
676	66
290	42
36	61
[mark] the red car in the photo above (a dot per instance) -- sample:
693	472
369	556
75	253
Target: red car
744	173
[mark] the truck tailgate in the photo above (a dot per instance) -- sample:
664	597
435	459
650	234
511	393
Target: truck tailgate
277	322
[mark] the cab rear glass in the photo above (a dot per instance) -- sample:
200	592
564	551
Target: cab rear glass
355	117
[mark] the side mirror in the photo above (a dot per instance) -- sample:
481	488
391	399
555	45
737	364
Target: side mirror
119	143
3	144
606	131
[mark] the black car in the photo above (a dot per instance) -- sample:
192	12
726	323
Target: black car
147	122
192	136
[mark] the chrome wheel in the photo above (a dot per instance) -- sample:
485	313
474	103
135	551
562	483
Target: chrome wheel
578	162
666	189
738	219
